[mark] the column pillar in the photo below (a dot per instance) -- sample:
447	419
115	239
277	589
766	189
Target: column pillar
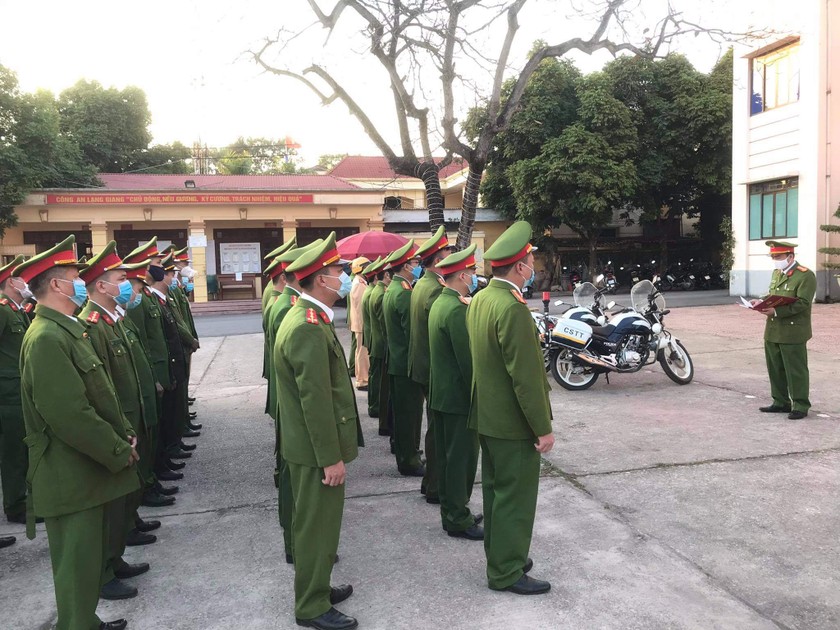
98	237
289	230
376	225
198	249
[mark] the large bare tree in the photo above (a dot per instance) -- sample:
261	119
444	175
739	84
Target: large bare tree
423	45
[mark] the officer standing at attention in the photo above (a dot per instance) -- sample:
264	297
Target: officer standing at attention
787	332
273	289
269	290
423	295
13	324
380	406
320	431
80	456
510	410
406	395
356	323
369	273
182	295
450	383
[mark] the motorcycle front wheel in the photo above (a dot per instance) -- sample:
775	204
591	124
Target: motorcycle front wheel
570	376
677	364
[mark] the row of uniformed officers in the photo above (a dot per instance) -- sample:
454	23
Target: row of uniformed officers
476	365
95	410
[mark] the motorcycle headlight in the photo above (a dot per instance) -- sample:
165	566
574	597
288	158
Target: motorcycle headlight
656	328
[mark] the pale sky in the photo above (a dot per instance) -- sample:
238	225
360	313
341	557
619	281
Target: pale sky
189	58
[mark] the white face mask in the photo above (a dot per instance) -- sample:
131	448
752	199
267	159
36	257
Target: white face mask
781	265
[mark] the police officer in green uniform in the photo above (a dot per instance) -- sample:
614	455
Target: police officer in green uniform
369	273
509	409
13	324
320	431
178	294
381	403
406	394
276	314
273	289
80	455
787	332
269	289
450	381
427	289
108	287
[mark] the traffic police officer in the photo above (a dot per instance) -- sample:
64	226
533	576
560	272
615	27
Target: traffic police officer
80	455
356	323
787	331
320	431
509	409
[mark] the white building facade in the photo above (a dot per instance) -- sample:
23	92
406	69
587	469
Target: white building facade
786	147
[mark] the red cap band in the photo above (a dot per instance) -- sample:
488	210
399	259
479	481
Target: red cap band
106	263
781	250
441	244
468	262
150	252
409	254
509	261
66	257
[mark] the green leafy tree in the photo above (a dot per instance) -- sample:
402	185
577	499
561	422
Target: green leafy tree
172	159
110	126
831	251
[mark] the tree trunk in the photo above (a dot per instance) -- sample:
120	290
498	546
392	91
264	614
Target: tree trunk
469	205
428	172
593	257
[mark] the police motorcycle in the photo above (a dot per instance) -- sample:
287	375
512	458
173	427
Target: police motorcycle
582	344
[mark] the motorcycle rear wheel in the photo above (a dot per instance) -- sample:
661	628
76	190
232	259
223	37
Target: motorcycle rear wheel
677	364
570	376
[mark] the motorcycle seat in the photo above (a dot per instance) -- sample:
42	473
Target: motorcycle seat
603	331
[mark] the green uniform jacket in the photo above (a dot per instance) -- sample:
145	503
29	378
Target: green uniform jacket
366	315
183	301
75	429
184	331
13	324
450	381
510	392
319	422
276	313
146	376
423	295
397	309
111	346
792	322
267	304
266	295
148	319
378	348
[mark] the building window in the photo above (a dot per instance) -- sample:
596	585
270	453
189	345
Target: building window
775	79
774	209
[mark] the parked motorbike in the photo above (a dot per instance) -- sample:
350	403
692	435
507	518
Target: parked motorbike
610	282
583	343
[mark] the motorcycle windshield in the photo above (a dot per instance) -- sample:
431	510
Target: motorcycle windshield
640	296
585	296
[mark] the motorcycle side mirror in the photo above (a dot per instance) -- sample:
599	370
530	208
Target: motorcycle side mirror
610	304
599	278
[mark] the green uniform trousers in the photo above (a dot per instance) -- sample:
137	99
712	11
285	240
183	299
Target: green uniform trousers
146	449
429	485
787	366
119	519
407	399
14	459
283	483
351	359
316	526
77	545
456	446
374	387
510	476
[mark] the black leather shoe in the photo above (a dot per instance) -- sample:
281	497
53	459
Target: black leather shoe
188	447
774	409
363	388
383	432
153	499
180	455
7	541
169	475
473	532
189	433
330	620
21	518
131	570
374	414
479	518
528	566
145	526
194	426
115	589
193	415
136	539
418	471
339	593
433	500
526	585
797	415
176	465
117	624
166	491
191	399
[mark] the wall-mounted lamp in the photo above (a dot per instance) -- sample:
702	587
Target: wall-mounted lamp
243	213
333	213
190	183
44	215
147	214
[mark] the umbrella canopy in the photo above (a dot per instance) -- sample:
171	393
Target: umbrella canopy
370	244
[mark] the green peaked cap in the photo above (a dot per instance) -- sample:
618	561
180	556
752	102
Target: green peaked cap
315	258
779	244
371	267
512	244
6	270
292	255
274	264
144	251
455	260
168	262
60	255
283	248
106	260
438	242
401	254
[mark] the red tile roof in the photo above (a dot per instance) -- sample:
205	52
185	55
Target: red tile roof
144	181
376	167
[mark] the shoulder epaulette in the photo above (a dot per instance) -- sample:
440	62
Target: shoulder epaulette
405	285
107	319
294	300
4	301
464	300
147	291
325	318
801	268
27	308
9	303
93	318
311	316
441	282
516	294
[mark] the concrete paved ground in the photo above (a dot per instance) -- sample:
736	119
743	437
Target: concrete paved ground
660	507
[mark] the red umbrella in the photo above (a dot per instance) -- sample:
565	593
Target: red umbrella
370	244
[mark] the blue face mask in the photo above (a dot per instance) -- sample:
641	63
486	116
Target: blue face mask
417	272
190	287
173	284
473	283
530	280
346	285
124	296
80	295
136	301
